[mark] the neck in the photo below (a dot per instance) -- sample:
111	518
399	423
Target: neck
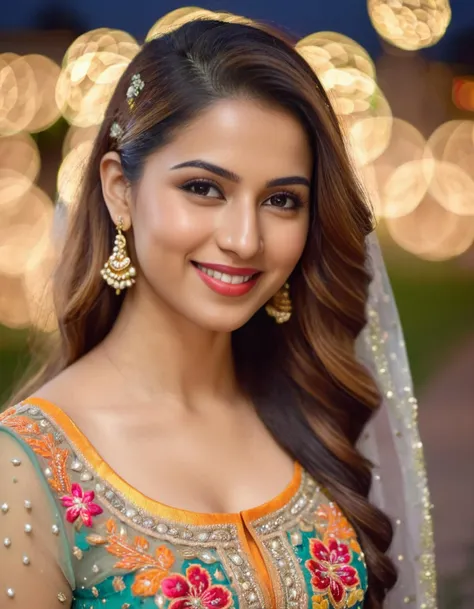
157	351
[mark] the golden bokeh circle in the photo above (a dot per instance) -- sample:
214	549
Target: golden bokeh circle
432	232
408	24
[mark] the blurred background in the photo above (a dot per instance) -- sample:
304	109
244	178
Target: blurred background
400	74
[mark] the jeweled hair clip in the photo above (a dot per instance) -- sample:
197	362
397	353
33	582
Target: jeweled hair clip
116	131
133	91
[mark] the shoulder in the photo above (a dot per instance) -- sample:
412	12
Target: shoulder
48	439
29	425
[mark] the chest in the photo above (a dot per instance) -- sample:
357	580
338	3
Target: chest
213	466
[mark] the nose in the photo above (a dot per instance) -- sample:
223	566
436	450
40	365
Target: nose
239	230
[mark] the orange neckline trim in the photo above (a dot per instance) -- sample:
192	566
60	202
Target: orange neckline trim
156	508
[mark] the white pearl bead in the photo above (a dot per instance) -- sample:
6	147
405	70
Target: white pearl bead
7	542
28	528
27	504
26	560
55	529
10	592
4	508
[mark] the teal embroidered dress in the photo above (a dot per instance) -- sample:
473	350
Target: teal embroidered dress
73	533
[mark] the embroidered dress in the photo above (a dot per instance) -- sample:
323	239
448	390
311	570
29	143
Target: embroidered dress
73	533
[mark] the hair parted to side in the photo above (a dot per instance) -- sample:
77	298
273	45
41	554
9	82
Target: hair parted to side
303	377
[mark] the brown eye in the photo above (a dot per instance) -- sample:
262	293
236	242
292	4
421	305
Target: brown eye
283	200
202	188
280	200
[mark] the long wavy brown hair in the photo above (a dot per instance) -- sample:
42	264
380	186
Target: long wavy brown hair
303	377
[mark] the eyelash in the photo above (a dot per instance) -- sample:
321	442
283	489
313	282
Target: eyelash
297	200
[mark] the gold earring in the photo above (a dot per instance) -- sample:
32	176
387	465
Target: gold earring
118	271
279	306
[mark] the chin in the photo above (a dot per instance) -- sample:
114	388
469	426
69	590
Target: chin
224	321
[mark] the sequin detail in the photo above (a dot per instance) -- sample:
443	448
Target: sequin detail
404	407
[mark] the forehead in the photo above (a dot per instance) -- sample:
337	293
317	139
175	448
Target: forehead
246	136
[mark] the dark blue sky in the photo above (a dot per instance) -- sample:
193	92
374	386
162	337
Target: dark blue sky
300	16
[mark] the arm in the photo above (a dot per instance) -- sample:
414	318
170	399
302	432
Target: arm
35	568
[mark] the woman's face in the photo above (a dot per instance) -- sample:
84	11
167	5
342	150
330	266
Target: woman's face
220	215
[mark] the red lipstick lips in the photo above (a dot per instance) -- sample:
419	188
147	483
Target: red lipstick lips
227	280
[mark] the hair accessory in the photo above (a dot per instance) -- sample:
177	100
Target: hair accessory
279	307
118	271
133	91
116	131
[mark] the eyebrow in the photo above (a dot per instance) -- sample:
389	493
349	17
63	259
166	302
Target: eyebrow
233	177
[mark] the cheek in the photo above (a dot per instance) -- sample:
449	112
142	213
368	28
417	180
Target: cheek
167	225
284	244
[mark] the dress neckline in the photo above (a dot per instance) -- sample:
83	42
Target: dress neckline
103	470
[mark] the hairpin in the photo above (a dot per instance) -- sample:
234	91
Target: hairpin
116	131
133	91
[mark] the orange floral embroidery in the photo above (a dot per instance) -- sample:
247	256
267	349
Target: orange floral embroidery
134	557
44	446
319	602
148	582
111	526
7	413
20	424
333	523
354	597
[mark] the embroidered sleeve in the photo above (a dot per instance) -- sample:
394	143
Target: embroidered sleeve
34	551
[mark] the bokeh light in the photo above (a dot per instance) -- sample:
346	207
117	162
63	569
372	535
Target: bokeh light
14	311
78	135
185	14
18	94
432	232
91	70
347	74
71	172
463	93
408	24
19	154
452	148
401	174
24	230
37	286
46	73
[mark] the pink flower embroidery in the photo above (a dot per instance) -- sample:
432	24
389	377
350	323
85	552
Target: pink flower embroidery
80	504
331	570
195	590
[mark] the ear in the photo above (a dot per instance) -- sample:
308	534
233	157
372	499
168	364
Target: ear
115	189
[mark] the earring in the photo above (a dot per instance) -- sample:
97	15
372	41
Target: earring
118	271
279	306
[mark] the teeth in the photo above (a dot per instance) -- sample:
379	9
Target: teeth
224	277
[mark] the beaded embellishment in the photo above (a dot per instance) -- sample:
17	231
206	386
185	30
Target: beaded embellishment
133	91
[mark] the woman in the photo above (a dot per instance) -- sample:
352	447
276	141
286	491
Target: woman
220	179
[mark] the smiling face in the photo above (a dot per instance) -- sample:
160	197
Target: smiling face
220	214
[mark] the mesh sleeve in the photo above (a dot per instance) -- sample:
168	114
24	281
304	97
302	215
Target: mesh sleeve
35	566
